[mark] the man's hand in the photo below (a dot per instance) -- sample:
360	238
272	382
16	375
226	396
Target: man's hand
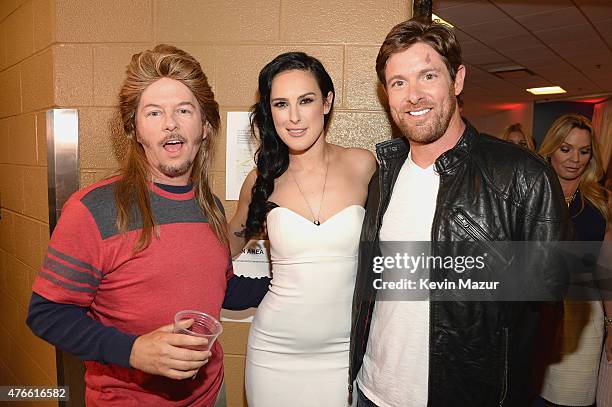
165	353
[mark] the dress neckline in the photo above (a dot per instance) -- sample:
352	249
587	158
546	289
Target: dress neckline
308	220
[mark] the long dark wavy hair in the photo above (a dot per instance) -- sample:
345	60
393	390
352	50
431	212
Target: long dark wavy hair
272	156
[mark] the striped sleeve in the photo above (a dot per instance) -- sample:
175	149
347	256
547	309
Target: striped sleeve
71	270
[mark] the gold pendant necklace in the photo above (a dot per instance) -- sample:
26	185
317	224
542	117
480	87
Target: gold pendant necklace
315	220
570	199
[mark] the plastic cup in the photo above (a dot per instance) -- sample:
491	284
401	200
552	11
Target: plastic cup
203	326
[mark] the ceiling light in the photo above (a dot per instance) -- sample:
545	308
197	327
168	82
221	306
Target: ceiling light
546	90
437	19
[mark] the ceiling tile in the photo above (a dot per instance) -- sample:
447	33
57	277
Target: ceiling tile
442	4
522	8
604	27
463	37
511	43
572	49
471	13
530	82
536	64
552	19
596	10
486	58
603	83
561	35
536	51
473	47
501	28
581	87
475	73
557	72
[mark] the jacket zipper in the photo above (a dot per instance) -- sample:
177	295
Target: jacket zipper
476	232
505	378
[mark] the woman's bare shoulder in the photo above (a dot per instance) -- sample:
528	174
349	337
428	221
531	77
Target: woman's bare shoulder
359	161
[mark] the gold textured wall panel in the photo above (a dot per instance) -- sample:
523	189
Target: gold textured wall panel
359	129
41	139
104	21
109	64
11	185
216	21
343	21
362	88
5	154
20	26
37	87
238	86
35	191
10	97
27	245
101	145
73	75
7	239
22	139
44	23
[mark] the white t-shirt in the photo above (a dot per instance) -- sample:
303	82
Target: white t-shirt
395	368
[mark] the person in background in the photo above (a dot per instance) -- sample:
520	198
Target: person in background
514	133
308	195
130	251
572	150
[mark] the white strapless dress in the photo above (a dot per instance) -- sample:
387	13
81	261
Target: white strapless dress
298	349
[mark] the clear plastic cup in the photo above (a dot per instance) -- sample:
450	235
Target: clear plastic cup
203	326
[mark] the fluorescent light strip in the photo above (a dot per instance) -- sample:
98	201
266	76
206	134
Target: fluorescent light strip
439	20
546	90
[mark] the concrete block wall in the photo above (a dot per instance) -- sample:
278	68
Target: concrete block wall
27	89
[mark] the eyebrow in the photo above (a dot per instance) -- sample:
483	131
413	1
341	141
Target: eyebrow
185	103
299	97
578	147
421	72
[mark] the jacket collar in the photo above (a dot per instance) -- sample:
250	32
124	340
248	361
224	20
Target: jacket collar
398	149
456	155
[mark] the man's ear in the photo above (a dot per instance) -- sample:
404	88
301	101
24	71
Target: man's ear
205	127
459	79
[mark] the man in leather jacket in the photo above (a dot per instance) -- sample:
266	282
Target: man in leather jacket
449	183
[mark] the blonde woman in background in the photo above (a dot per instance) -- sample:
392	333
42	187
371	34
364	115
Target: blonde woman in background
514	133
573	152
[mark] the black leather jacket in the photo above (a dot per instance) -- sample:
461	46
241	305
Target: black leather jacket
490	190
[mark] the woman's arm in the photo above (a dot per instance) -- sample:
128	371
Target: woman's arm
364	166
237	225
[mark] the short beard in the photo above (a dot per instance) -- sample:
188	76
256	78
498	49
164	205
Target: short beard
434	130
176	171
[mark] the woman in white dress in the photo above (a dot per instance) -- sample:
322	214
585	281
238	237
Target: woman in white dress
308	196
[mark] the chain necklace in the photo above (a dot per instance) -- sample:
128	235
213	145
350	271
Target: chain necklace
315	220
570	199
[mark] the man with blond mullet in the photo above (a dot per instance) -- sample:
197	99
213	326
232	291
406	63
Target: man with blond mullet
445	182
130	251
